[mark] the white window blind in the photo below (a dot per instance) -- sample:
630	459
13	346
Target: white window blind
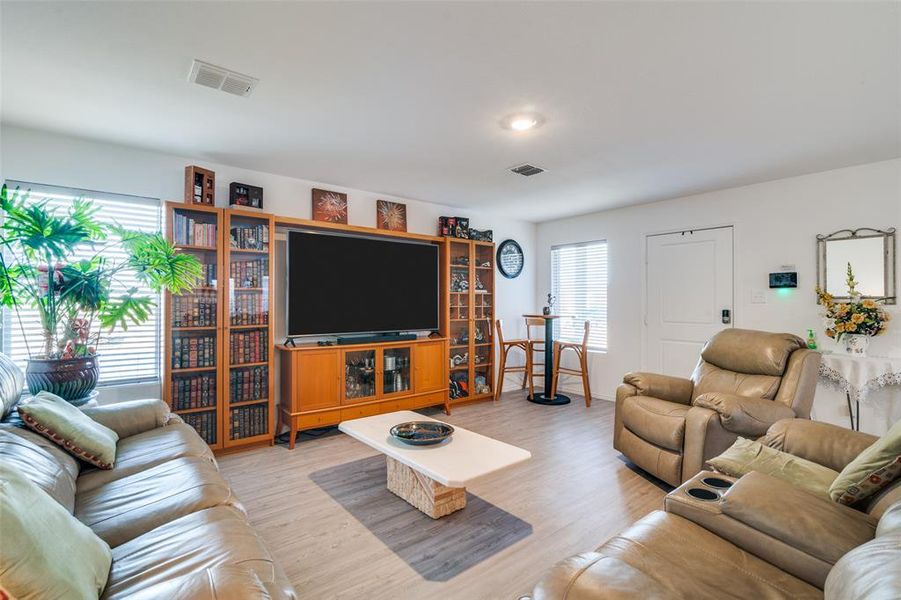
125	356
579	281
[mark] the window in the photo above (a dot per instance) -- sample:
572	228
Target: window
126	356
579	282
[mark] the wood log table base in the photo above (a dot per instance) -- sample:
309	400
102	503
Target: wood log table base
424	493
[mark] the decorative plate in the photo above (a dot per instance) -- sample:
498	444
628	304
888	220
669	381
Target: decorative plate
422	433
510	259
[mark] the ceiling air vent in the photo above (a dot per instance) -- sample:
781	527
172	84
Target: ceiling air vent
218	78
527	170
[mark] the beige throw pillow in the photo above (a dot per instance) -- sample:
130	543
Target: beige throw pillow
873	469
46	553
74	431
745	456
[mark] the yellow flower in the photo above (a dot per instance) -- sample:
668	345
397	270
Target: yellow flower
857	318
830	333
851	327
840	327
869	304
842	309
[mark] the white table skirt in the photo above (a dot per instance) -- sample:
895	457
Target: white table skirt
858	376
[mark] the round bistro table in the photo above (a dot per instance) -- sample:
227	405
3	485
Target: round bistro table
544	396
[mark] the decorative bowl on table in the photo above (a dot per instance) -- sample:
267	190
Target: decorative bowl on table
421	433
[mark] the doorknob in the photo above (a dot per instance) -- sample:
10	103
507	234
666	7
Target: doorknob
727	316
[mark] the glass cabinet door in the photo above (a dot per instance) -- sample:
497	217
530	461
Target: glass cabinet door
359	375
396	370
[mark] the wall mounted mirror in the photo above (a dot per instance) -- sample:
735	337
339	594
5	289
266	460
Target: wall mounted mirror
871	253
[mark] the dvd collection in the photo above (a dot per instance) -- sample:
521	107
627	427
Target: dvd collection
196	310
194	391
249	273
193	352
204	423
248	421
249	346
186	231
250	237
248	308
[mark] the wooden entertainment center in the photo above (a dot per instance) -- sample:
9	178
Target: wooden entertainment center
219	351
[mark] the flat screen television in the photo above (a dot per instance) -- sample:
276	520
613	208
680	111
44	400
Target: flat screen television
344	284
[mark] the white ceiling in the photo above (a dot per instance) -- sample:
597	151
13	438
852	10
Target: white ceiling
643	101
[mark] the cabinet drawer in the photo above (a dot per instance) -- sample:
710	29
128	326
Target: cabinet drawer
321	419
426	400
357	412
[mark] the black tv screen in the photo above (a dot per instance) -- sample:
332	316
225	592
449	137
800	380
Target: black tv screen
339	284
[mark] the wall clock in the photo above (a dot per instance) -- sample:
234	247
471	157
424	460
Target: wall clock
510	259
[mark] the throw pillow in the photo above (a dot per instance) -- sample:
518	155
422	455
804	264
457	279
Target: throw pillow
74	431
745	456
873	469
46	552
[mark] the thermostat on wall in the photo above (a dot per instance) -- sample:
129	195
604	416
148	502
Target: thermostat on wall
787	279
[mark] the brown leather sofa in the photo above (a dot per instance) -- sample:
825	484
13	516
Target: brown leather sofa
760	538
174	526
744	382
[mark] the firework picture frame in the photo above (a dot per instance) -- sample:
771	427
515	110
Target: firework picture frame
329	206
391	216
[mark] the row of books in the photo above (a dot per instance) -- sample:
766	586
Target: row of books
248	421
194	391
248	384
196	310
250	237
249	309
249	346
208	278
193	352
249	273
187	231
204	423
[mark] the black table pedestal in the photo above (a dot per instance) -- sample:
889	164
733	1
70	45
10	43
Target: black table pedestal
543	397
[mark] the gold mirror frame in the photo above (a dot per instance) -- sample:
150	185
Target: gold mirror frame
888	258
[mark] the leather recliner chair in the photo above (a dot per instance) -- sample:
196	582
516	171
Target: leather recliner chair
744	382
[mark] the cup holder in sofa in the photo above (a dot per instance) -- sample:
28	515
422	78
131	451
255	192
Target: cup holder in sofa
716	482
703	494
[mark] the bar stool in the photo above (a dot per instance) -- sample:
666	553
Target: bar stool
581	351
536	346
505	346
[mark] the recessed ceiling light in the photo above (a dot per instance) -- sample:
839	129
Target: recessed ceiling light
522	121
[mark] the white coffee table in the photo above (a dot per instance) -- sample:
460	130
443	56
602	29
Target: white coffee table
433	478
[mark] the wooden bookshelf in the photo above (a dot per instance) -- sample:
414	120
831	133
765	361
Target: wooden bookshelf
469	308
192	376
248	391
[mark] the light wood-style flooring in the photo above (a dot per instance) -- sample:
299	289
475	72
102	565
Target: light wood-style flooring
324	511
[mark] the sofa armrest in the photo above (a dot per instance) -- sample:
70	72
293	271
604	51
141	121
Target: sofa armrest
828	445
131	417
230	582
820	528
665	387
744	415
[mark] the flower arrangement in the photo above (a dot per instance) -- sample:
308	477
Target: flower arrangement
860	317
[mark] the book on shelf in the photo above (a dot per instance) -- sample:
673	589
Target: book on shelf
204	423
247	384
249	273
249	308
249	346
194	391
250	237
249	421
187	231
194	310
193	352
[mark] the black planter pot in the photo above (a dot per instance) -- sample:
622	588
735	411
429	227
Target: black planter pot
71	379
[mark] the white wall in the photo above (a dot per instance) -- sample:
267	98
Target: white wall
40	157
775	223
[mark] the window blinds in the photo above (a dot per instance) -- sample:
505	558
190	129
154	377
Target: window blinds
579	282
126	356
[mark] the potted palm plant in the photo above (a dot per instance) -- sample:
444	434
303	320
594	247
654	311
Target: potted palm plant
75	298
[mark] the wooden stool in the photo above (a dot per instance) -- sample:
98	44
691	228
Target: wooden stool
505	346
581	351
536	346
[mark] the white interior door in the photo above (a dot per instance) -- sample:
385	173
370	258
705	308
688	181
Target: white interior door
689	286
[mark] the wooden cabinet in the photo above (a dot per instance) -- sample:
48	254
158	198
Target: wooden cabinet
326	385
470	306
429	372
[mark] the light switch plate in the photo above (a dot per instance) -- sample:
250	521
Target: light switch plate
758	297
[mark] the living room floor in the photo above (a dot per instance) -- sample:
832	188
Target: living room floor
324	510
